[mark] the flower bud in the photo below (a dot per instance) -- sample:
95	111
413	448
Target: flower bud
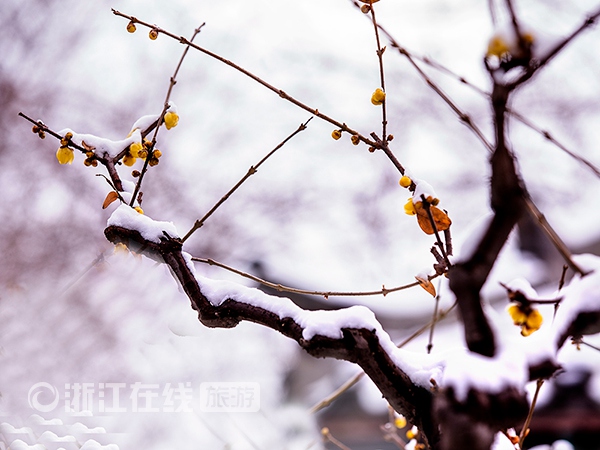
378	97
131	27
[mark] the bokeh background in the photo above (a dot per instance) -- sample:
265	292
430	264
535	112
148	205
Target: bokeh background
320	214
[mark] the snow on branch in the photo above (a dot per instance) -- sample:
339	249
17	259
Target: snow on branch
488	389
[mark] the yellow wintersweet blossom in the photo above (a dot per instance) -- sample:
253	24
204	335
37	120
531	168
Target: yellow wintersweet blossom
528	318
336	134
171	120
135	148
400	421
497	47
65	155
129	160
378	97
516	314
409	207
139	209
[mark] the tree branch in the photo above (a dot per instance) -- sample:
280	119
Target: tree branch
358	345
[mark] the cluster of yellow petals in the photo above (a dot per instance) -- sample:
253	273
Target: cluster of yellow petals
528	318
65	155
171	119
499	47
336	134
139	150
378	97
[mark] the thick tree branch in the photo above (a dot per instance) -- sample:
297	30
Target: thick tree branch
358	345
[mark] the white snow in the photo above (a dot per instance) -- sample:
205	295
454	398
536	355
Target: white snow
466	370
582	293
143	123
95	445
421	368
422	188
523	286
152	230
103	146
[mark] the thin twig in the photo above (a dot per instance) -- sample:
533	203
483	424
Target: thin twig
433	320
337	393
172	83
525	429
554	237
440	244
533	69
465	118
251	171
326	294
328	437
380	51
425	327
589	345
281	93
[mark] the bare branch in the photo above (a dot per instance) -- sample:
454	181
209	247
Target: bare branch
251	171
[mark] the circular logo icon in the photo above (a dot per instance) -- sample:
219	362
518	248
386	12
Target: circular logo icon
43	397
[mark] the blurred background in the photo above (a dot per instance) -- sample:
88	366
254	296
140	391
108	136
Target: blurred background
320	214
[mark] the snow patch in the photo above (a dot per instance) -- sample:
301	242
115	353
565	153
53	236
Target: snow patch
151	230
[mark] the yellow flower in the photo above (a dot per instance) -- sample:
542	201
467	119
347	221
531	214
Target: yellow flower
409	207
139	209
129	160
121	248
412	433
497	47
355	139
336	134
534	320
405	181
157	154
135	148
516	313
528	318
378	97
65	155
400	421
171	119
153	34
